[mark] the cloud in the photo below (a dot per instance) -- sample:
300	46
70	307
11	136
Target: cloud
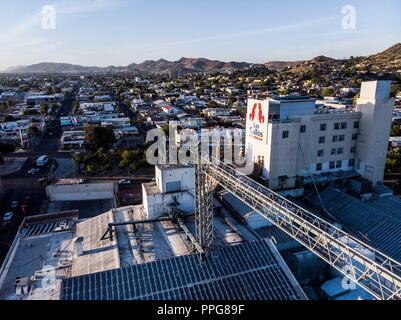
164	47
21	28
33	20
249	33
83	7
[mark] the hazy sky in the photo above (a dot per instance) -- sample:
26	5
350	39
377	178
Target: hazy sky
119	32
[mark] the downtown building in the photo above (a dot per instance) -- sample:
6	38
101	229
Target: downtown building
294	142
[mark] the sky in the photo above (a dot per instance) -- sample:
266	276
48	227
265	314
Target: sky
120	32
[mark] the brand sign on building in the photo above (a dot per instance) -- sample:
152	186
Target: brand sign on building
257	119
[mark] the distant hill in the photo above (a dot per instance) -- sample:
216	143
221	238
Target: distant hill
280	65
48	67
386	61
184	65
322	63
187	65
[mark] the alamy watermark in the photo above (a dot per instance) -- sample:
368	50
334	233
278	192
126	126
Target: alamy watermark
49	17
48	281
349	19
191	147
348	282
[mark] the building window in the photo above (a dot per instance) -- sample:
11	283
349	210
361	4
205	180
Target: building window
337	126
351	163
286	134
173	186
333	151
322	140
343	125
332	165
320	153
353	149
339	164
340	151
342	137
303	129
354	137
319	167
356	125
335	138
323	127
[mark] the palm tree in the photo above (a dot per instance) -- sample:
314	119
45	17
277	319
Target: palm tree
78	159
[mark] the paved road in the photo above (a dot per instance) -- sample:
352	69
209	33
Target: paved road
19	185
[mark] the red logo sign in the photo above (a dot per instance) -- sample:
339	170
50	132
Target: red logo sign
261	117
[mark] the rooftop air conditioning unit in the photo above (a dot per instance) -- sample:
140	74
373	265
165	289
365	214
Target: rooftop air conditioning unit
65	263
62	227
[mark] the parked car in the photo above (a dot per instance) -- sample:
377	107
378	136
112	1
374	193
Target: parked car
8	217
42	161
14	205
33	171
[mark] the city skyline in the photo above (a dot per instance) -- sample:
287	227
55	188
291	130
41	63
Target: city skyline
121	32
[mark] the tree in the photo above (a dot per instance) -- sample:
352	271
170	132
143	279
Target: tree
213	104
99	137
30	112
395	88
53	109
44	109
8	118
5	148
127	157
395	130
327	92
393	164
78	159
75	108
134	167
34	131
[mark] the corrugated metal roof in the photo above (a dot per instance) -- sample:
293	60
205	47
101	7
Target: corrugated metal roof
250	271
377	222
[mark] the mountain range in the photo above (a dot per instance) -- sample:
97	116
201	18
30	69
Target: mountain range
184	65
388	60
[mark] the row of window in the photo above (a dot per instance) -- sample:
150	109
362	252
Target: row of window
335	165
323	127
335	151
337	138
338	126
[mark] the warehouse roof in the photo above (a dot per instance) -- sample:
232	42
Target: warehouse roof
250	271
377	221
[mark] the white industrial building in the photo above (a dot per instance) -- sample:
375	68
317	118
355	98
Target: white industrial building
291	139
174	187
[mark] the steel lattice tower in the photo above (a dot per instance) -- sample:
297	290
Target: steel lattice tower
204	208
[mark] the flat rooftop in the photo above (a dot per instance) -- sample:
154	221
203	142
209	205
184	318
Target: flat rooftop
250	271
152	188
49	244
87	209
70	251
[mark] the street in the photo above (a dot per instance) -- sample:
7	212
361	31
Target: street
18	186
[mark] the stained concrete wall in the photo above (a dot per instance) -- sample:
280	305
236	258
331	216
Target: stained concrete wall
81	192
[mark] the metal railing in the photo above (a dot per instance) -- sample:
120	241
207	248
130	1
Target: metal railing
357	261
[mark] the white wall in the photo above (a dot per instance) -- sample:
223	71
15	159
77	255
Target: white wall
81	192
157	205
186	175
377	109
